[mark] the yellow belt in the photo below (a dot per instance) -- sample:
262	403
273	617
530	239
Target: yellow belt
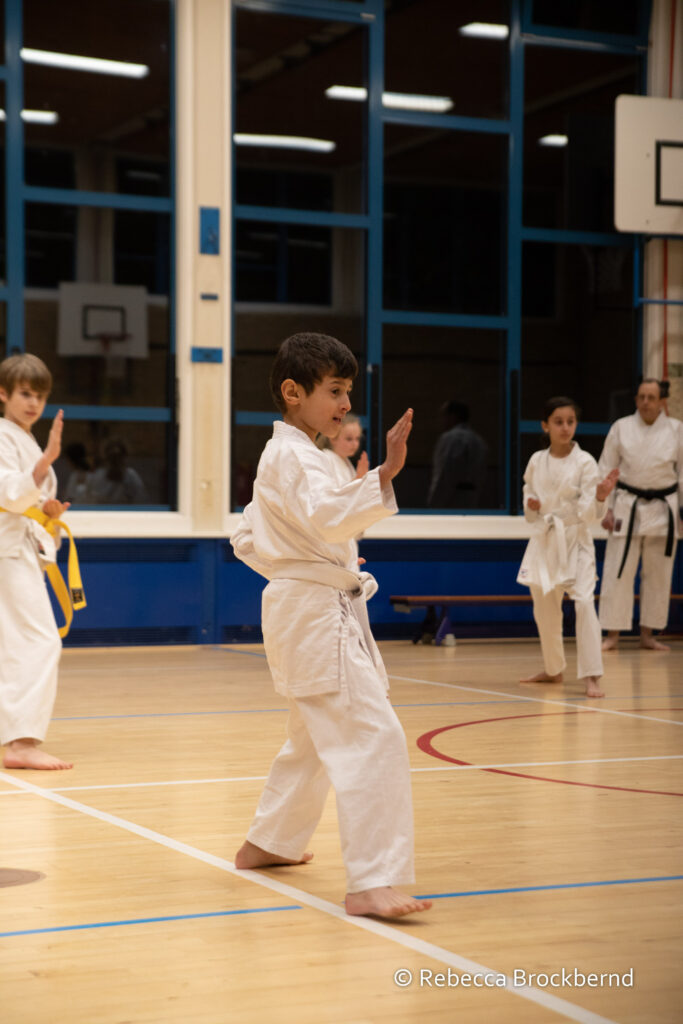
72	598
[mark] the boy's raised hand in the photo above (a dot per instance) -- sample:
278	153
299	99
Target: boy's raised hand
52	449
397	448
54	441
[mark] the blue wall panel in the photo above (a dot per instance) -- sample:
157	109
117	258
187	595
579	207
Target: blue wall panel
195	591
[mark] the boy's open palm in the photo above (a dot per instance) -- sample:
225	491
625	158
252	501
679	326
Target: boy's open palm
54	441
397	446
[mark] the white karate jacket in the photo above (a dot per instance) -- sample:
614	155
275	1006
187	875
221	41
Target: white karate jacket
19	452
566	490
648	457
299	529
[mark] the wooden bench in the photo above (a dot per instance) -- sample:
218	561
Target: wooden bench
439	627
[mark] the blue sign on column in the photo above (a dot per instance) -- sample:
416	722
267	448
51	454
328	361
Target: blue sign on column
209	230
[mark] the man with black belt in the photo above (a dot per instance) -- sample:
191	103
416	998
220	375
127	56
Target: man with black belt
644	519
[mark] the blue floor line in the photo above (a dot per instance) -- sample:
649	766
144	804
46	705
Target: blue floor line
170	714
268	711
144	920
545	888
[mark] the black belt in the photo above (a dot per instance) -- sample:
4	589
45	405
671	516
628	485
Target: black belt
647	494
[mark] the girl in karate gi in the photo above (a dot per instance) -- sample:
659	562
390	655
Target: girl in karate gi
562	499
340	450
30	645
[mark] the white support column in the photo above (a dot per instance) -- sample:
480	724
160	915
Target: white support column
203	179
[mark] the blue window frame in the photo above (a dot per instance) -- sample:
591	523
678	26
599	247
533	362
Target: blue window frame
43	208
582	231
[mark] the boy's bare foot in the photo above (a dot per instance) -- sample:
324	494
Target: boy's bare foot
27	754
593	687
543	677
611	641
649	643
250	856
384	902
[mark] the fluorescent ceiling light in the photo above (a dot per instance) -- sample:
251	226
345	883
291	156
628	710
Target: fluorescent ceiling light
76	63
395	100
285	142
35	116
484	30
553	140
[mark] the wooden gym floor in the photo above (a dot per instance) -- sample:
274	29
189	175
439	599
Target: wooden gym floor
548	834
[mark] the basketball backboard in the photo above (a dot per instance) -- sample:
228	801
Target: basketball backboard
648	165
102	319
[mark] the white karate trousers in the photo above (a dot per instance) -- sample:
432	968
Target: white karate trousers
354	741
616	595
30	648
548	617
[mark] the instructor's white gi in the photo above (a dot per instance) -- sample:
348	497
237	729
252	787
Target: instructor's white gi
298	532
29	640
649	457
560	555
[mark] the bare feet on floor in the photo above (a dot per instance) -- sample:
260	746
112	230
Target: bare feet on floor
250	856
543	677
384	902
649	643
27	754
611	641
593	687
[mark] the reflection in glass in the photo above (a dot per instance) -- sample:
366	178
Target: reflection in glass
455	454
426	54
111	464
284	65
618	16
247	444
3	228
5	348
258	336
445	220
101	370
100	117
303	259
284	263
578	328
572	93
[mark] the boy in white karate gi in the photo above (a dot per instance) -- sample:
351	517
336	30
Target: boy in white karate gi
30	645
562	499
298	532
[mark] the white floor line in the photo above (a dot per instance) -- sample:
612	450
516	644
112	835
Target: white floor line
428	949
593	706
434	768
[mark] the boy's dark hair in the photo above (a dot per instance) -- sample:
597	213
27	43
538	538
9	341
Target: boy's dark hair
306	358
559	402
25	369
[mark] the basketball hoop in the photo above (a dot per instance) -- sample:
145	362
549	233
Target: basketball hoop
106	340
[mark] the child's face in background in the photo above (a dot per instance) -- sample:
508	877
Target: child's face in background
347	441
24	406
561	426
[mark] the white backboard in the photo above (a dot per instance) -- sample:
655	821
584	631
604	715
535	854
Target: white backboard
102	319
648	165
